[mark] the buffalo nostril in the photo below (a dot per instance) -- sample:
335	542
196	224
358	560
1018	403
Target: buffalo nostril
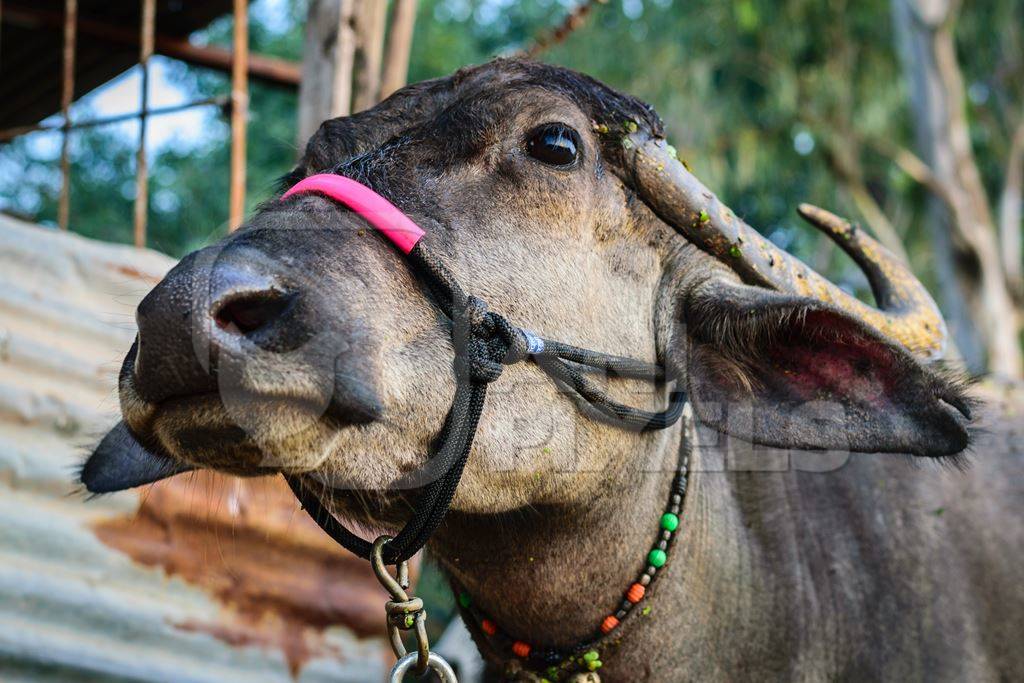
246	313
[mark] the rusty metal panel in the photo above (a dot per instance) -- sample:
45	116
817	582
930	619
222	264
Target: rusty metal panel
199	578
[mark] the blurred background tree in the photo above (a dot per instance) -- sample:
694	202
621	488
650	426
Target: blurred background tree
907	115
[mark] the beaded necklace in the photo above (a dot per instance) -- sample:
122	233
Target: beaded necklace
559	664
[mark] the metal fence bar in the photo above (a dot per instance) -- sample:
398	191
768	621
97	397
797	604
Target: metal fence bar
141	167
67	94
239	113
11	133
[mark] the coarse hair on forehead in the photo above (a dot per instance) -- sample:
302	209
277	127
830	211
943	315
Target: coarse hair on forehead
602	104
415	105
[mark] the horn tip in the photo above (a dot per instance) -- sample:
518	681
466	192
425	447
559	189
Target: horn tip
816	214
824	219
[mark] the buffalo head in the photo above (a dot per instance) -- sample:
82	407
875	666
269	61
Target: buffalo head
303	344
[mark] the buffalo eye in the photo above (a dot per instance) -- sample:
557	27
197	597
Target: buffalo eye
555	144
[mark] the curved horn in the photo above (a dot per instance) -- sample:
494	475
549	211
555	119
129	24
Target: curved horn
906	311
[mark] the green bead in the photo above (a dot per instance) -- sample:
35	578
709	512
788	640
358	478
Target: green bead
465	600
669	522
590	656
657	557
594	665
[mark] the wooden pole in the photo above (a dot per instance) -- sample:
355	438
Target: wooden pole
327	61
371	17
141	168
67	94
267	69
239	113
343	62
396	59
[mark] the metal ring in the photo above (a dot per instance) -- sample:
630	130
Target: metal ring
436	662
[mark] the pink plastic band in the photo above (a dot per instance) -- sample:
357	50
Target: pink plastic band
379	212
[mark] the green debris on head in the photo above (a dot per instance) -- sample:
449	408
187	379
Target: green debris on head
627	143
630	126
601	128
672	151
704	216
734	251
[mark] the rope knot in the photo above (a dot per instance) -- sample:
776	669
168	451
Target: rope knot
479	350
515	345
485	341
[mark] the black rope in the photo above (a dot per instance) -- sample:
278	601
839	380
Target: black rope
484	343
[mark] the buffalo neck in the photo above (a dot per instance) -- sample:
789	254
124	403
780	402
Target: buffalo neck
549	576
780	572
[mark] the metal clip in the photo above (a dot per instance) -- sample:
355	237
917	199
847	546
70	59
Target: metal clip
404	614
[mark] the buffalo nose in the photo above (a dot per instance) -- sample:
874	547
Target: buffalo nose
208	308
249	312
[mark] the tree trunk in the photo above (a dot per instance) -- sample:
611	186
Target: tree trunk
977	302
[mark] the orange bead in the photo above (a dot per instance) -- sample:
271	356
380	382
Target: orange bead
635	593
488	627
520	649
609	624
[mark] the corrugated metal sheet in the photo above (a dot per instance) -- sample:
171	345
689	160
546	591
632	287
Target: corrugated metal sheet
201	578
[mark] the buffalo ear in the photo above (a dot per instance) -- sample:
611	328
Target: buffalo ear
808	376
120	462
